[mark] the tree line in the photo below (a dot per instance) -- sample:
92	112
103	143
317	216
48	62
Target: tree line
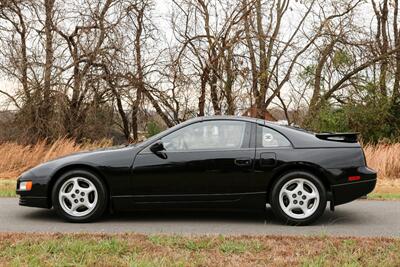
84	69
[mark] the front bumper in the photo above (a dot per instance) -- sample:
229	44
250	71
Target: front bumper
37	196
39	202
346	192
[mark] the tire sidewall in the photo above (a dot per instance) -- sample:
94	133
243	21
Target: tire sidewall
275	204
101	192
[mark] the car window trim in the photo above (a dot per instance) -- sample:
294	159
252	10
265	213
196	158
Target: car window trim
204	150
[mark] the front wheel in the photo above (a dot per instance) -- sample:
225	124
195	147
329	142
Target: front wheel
298	198
79	196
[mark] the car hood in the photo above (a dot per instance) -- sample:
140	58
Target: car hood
121	156
93	151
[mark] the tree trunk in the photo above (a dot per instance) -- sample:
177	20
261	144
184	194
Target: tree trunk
46	107
396	85
253	63
140	78
203	86
230	78
384	48
213	92
263	71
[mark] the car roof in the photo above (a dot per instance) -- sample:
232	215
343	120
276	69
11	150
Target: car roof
298	137
227	117
235	118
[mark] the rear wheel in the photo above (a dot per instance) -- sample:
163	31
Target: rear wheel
79	196
298	198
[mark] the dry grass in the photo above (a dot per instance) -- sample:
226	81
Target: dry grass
388	186
130	249
384	158
16	158
7	187
386	189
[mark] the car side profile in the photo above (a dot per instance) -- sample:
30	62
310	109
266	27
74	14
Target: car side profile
218	162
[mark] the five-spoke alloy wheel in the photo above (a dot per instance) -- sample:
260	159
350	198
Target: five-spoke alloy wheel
298	198
79	196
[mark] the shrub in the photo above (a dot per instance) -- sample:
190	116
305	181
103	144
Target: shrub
153	128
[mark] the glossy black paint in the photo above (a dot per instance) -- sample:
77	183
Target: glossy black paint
138	177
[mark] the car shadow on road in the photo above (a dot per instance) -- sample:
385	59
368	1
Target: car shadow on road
41	215
200	216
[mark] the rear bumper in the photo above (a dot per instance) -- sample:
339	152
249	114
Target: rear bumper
344	193
39	202
347	191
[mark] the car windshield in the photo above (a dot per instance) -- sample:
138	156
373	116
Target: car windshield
156	136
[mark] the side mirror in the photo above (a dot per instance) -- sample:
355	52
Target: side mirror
158	149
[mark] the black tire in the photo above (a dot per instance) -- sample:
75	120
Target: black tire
275	204
98	210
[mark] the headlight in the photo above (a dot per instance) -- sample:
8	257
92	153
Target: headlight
25	186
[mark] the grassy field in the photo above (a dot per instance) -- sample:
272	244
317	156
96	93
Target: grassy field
386	189
164	250
385	159
384	196
7	187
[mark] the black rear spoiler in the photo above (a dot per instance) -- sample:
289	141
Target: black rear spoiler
338	137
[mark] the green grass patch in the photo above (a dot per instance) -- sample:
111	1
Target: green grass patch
180	242
384	196
350	252
176	250
223	244
65	251
7	187
240	246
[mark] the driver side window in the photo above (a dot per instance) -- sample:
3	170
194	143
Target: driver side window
207	135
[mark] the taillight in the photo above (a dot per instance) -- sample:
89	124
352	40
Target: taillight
354	178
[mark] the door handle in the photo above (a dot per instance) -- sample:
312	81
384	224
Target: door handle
243	162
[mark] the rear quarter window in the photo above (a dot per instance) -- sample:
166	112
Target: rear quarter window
269	138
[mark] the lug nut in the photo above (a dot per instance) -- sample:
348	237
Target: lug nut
82	193
301	202
77	191
299	193
73	195
295	201
304	197
76	201
82	199
294	196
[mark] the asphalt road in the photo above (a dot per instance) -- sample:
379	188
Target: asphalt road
359	218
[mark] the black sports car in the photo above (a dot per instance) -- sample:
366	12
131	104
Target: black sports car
210	163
